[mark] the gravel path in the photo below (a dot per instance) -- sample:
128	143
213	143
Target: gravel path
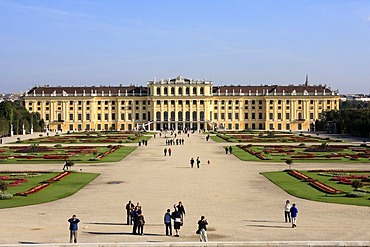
240	204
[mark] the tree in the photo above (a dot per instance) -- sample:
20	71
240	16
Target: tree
357	184
289	162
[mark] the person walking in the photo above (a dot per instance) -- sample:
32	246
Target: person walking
294	212
287	211
167	222
192	162
129	208
73	228
140	222
169	151
176	216
165	151
230	150
226	150
202	229
198	162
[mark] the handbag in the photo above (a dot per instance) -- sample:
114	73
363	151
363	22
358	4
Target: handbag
198	231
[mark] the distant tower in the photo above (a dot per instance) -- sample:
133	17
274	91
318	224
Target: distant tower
306	82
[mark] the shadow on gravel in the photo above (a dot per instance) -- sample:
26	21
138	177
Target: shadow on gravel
270	226
123	233
107	223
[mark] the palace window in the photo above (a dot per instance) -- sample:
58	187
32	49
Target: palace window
165	91
187	91
201	90
194	90
88	116
180	90
106	116
222	116
158	91
172	90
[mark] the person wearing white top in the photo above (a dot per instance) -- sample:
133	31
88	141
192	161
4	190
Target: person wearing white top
287	211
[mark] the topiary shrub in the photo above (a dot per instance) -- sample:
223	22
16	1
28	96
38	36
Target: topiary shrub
355	194
5	196
3	186
357	184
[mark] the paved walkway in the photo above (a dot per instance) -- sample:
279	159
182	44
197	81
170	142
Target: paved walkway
240	204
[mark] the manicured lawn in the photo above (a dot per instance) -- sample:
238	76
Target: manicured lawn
57	155
301	189
269	136
57	190
299	152
88	137
217	139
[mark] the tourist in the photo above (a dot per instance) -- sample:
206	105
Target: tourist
192	162
167	222
140	222
165	151
176	216
134	215
181	210
230	150
226	150
202	229
198	162
129	208
169	151
294	212
73	228
287	211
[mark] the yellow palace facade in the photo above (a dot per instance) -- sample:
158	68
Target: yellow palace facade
180	103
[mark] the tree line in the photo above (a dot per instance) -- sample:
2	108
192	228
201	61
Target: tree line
352	119
14	113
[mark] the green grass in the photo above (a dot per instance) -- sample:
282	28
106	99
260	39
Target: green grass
276	157
57	190
217	139
117	155
298	188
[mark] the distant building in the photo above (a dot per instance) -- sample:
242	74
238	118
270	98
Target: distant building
181	103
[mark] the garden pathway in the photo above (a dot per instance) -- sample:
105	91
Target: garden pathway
240	204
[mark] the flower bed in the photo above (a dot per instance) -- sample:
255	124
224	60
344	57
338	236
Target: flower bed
300	175
326	188
43	185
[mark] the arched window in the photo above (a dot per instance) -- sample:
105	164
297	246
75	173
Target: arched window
179	116
158	116
172	116
165	91
195	116
300	115
180	90
158	91
165	116
187	91
187	116
59	117
172	91
201	116
202	91
194	90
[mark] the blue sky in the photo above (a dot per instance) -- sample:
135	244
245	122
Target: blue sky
83	42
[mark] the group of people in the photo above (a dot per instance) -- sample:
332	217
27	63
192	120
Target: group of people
177	216
144	142
167	150
135	217
175	142
290	213
192	161
229	150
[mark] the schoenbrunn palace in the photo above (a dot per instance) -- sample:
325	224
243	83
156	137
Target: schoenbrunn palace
181	103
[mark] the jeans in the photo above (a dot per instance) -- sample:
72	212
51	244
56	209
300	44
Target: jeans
287	216
168	228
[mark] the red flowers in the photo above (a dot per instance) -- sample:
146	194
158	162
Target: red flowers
325	188
43	184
